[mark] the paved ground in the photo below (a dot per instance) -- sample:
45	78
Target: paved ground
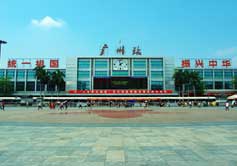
172	137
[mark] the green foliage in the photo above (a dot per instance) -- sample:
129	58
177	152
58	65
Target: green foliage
188	80
5	87
57	79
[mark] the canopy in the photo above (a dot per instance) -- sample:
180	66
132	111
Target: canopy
232	97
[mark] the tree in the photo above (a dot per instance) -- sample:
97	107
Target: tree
190	79
42	76
57	78
5	87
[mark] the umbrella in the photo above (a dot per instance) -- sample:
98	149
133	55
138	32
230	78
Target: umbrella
232	97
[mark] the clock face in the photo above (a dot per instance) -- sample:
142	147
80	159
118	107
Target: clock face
120	64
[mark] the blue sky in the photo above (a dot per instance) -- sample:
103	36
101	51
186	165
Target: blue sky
178	28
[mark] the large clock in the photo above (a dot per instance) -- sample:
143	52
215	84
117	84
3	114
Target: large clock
120	64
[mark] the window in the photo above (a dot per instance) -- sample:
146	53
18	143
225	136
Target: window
156	64
120	73
139	64
139	73
228	85
20	86
228	74
83	64
101	64
218	74
156	85
156	74
30	86
83	74
83	85
208	74
20	74
101	73
218	85
1	73
39	86
31	74
208	84
10	74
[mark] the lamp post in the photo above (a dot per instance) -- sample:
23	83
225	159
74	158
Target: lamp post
1	42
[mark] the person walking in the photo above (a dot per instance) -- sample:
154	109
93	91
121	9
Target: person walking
227	106
3	106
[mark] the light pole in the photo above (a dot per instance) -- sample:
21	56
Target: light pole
1	42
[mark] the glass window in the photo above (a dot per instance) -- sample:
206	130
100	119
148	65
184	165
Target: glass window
228	85
101	64
218	85
2	73
208	74
218	74
156	85
38	86
10	74
139	64
156	64
83	85
139	73
101	73
235	73
84	64
83	74
120	73
208	84
31	74
228	74
20	74
30	86
20	86
157	74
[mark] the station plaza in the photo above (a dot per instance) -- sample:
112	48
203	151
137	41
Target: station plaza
103	136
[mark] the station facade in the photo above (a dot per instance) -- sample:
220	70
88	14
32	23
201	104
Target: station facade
121	75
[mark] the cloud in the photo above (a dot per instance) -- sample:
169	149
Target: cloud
47	22
232	51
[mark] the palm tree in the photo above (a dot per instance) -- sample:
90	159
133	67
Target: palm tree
42	76
57	78
192	79
5	87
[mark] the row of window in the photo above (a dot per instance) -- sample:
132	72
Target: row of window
218	85
20	74
86	74
30	86
217	73
104	63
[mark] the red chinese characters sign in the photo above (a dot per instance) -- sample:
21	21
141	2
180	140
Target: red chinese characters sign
39	62
120	91
11	63
212	63
185	63
226	63
54	63
202	63
199	63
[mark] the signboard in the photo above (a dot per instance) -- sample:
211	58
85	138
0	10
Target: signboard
32	63
120	91
206	63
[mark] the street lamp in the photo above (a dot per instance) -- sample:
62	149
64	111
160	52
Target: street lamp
2	42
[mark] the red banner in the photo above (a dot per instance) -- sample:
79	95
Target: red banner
120	91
